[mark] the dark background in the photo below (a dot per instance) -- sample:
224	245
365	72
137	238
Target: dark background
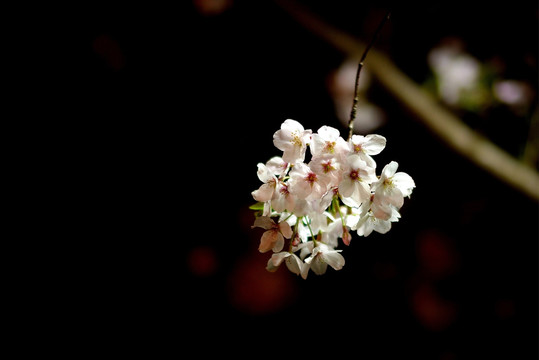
174	106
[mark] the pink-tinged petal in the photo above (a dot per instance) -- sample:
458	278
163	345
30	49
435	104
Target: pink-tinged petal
277	258
346	237
381	211
279	243
264	222
281	141
277	165
374	144
346	187
268	240
264	193
285	229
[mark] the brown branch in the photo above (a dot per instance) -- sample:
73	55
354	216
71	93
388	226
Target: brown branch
359	67
437	118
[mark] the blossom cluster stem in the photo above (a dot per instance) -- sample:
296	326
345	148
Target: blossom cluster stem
353	112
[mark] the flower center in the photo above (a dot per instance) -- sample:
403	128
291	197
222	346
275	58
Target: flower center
296	139
330	147
354	175
311	178
327	167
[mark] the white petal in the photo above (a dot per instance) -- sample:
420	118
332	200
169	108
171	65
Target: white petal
294	264
264	174
390	169
404	182
292	125
329	133
382	226
318	265
374	144
334	259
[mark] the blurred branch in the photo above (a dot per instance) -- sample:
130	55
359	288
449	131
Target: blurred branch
437	118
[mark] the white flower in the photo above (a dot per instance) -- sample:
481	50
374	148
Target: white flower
365	146
369	222
327	141
328	168
266	190
283	199
292	261
277	166
391	189
354	187
305	183
292	138
322	256
272	239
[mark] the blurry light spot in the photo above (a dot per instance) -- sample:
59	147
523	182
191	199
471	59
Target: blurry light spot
513	92
109	50
505	309
432	311
457	72
341	85
212	7
254	290
436	254
202	261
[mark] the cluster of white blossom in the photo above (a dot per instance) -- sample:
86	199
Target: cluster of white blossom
314	204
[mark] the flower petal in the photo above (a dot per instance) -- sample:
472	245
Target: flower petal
279	243
374	144
294	264
267	241
264	193
404	182
334	259
264	222
285	229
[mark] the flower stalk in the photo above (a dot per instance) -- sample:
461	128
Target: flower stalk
353	112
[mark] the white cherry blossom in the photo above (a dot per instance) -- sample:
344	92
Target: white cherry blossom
305	183
266	190
322	256
327	141
354	188
292	139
